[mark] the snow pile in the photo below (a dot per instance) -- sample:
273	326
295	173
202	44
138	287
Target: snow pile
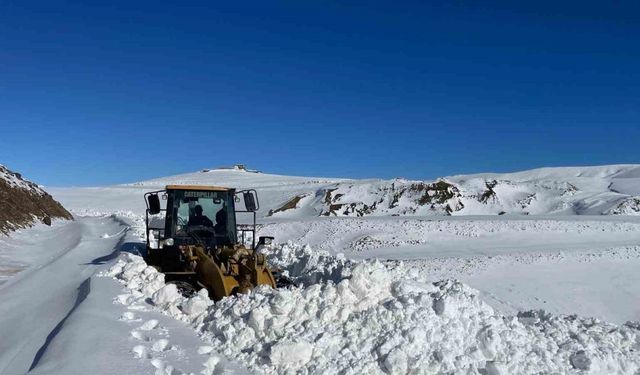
375	321
146	283
305	265
371	324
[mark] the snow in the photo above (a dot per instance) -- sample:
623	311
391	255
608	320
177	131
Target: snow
376	321
165	295
59	290
564	265
628	206
406	238
13	257
554	291
547	191
58	317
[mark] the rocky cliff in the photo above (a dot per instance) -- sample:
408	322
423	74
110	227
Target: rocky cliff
23	203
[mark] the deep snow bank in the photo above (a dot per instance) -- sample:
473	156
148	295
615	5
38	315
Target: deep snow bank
364	317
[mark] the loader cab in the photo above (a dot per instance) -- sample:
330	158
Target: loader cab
203	215
207	214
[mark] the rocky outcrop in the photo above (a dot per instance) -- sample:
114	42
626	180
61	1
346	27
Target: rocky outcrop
23	203
398	197
289	205
479	196
629	206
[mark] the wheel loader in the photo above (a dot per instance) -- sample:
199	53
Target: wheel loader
195	240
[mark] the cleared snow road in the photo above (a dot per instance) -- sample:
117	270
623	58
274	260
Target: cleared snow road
59	317
38	303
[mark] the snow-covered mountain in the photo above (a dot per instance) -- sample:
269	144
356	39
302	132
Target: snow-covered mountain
601	190
390	292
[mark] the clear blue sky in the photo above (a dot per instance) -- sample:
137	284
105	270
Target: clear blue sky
107	92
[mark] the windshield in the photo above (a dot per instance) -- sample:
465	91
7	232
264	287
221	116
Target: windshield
208	213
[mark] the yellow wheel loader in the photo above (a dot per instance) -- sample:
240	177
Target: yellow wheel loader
196	241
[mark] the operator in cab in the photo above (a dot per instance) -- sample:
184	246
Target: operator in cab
221	222
199	218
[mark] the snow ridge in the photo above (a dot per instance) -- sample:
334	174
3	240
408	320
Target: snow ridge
559	191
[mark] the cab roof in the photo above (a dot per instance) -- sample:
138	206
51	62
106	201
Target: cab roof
197	187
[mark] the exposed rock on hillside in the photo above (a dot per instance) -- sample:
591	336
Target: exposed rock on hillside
629	206
398	197
23	203
289	205
598	190
448	196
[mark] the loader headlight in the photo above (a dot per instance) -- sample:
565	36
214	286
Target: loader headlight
168	242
